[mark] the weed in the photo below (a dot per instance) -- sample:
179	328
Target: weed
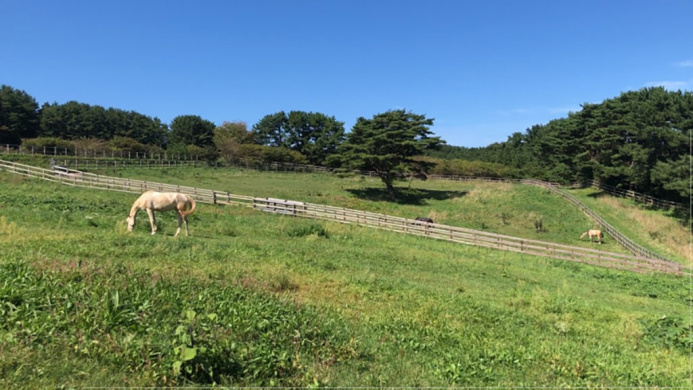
668	332
307	230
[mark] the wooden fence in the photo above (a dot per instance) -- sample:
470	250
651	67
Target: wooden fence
87	163
95	153
143	160
636	196
374	220
95	164
554	187
615	234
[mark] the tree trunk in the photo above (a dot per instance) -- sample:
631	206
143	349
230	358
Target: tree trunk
391	190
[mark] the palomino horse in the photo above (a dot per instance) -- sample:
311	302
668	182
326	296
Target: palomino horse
151	201
592	234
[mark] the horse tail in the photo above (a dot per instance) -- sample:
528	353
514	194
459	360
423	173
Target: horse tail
193	206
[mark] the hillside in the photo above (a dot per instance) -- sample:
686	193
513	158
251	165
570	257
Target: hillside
511	209
273	300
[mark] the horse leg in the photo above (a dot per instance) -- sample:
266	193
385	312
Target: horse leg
152	220
180	222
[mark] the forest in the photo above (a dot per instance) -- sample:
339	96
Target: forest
638	141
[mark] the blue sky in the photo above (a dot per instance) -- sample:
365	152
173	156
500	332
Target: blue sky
482	69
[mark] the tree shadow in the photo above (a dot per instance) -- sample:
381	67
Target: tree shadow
405	196
598	195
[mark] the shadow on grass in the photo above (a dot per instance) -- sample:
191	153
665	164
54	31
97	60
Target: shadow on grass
599	194
405	196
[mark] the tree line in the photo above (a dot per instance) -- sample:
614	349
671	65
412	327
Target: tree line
312	136
387	143
638	141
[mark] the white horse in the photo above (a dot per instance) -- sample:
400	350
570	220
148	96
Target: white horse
151	201
593	233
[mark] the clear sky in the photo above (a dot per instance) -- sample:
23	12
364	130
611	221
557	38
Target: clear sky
482	69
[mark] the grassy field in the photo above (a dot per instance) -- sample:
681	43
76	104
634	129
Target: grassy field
655	229
259	299
511	209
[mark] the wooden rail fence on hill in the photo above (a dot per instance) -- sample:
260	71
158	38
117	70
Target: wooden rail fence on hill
615	234
554	187
374	220
636	196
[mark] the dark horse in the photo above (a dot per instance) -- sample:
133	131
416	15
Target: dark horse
424	219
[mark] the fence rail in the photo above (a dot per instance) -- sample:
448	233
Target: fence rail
95	153
639	263
87	164
176	160
618	236
627	243
636	196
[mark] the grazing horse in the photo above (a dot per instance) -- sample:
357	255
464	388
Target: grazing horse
152	201
423	219
593	233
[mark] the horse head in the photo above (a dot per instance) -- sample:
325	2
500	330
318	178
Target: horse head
131	223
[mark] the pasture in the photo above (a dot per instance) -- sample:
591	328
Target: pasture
252	298
510	209
654	229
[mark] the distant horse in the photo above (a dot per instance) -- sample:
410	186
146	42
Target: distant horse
592	234
424	219
152	201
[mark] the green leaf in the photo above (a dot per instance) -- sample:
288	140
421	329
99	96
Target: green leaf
176	367
189	353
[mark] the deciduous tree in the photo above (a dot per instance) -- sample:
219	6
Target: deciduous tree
228	139
312	134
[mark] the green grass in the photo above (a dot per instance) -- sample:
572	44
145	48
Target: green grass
657	230
511	209
273	300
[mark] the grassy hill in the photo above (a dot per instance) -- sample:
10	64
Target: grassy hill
655	229
510	209
260	299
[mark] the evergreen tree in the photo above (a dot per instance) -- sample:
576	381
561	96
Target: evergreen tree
386	144
191	130
19	116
